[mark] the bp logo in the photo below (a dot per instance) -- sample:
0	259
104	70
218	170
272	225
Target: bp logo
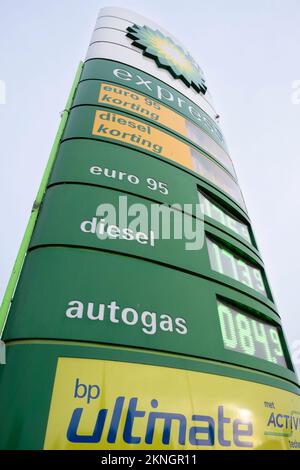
168	55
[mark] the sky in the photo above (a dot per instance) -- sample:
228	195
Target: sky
249	51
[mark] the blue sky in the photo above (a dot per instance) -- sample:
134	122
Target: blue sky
249	52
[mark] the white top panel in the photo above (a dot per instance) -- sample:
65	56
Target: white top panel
132	17
112	22
109	41
115	36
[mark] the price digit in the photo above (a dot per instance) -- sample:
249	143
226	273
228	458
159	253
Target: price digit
259	280
227	327
215	256
245	335
245	233
219	215
233	263
207	206
246	277
276	340
261	337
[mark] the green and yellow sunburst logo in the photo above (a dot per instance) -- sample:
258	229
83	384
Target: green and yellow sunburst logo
168	55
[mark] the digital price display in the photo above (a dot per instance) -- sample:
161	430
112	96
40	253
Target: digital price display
246	334
225	262
217	175
213	210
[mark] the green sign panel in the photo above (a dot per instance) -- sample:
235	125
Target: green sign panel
88	122
85	295
127	170
102	219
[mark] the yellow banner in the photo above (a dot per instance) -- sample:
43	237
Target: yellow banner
113	405
123	129
131	101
